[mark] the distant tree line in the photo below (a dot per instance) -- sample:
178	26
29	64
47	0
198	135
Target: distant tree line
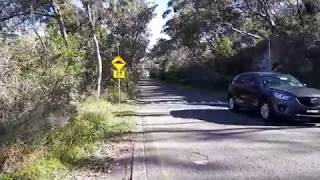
211	41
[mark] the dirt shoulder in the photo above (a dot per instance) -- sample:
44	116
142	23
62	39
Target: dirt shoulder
112	161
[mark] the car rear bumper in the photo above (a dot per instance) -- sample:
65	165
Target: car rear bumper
294	109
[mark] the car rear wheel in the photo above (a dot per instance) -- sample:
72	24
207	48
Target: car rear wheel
232	105
266	111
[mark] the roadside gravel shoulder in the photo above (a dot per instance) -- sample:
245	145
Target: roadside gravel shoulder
112	161
139	171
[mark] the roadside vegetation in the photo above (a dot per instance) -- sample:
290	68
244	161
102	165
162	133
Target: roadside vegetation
212	41
52	154
56	85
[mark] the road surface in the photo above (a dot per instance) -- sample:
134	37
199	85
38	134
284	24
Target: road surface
188	134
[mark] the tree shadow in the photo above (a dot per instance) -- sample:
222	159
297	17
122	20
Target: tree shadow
151	92
225	117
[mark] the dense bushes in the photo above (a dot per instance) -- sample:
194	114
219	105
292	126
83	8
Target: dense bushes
48	65
33	77
128	89
47	61
49	155
195	74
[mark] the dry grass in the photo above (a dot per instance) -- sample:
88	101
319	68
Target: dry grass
50	155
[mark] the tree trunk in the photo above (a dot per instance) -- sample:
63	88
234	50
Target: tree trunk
99	64
97	50
300	14
63	31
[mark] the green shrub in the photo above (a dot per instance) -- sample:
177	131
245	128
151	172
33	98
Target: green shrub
58	150
112	95
42	169
80	136
174	75
5	177
224	48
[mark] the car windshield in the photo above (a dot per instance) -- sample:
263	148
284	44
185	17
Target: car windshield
281	81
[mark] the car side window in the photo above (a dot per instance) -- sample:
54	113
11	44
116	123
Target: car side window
251	81
246	80
240	80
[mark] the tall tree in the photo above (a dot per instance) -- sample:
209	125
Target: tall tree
17	14
59	18
128	21
88	6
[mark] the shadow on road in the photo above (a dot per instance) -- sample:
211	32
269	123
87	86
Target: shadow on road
161	93
228	118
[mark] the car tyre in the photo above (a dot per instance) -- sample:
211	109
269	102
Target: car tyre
232	105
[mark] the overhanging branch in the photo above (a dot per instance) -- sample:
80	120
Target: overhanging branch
243	32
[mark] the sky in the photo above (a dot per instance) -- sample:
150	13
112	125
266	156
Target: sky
157	23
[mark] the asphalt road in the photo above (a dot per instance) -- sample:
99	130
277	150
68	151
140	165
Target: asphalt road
188	134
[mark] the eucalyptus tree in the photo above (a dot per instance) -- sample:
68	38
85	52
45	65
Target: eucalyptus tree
88	5
20	14
127	23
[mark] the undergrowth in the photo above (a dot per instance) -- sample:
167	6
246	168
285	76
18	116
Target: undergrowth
51	155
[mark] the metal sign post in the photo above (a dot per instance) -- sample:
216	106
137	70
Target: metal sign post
119	90
119	73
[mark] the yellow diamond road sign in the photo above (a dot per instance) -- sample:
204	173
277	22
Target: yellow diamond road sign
119	74
118	62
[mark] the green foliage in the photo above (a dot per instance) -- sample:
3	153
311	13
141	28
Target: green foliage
55	68
54	75
45	168
224	48
64	147
174	74
77	139
5	177
127	91
61	50
61	70
112	94
71	142
129	84
226	40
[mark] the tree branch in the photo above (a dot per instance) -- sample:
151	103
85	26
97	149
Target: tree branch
243	32
45	14
248	6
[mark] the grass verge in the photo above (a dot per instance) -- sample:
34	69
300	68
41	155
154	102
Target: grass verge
51	155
